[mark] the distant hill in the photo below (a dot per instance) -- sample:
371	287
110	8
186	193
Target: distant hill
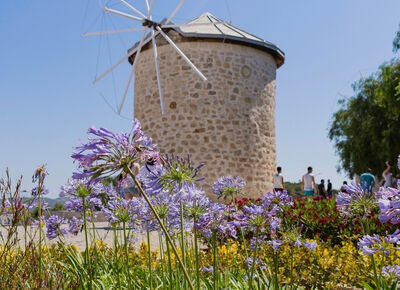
52	201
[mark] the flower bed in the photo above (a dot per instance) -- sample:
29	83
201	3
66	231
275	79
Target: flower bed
271	242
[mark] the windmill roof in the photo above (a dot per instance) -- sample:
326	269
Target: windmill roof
227	33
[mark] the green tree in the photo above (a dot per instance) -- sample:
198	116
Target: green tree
366	129
396	41
58	207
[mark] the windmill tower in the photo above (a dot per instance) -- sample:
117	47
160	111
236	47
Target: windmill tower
226	122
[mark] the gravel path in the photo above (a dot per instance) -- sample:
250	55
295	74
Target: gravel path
103	232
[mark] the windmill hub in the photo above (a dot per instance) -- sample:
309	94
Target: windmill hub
150	23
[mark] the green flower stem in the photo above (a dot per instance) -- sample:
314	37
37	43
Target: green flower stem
114	226
87	258
126	255
94	228
171	278
168	237
377	284
291	267
276	268
39	191
244	243
116	264
196	253
253	264
162	257
365	228
215	266
182	239
149	257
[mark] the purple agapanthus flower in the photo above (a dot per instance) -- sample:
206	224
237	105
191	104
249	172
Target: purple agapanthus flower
45	206
258	263
44	191
393	271
344	199
4	208
355	201
174	174
265	216
75	225
179	172
275	223
74	204
82	192
195	203
151	181
54	227
393	238
261	218
389	205
228	186
209	269
275	244
310	245
106	152
122	210
30	204
72	186
368	244
6	204
215	219
254	209
276	200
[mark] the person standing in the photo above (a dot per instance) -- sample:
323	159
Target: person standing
396	182
279	184
387	175
120	184
321	188
367	180
308	182
343	188
147	169
329	188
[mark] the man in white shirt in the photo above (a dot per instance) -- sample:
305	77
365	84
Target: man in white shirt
279	184
308	182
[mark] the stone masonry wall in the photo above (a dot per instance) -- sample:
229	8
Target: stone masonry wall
227	122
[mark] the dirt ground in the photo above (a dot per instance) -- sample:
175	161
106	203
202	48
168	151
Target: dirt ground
103	232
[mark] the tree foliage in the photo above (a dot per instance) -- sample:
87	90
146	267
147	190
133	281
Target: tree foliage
366	128
396	41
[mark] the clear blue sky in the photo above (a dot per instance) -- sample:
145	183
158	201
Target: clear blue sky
46	70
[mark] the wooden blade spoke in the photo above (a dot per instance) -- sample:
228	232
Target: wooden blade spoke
157	71
133	8
139	48
133	51
123	14
113	31
174	12
181	53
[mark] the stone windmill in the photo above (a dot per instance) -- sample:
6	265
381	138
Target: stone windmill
205	88
226	122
